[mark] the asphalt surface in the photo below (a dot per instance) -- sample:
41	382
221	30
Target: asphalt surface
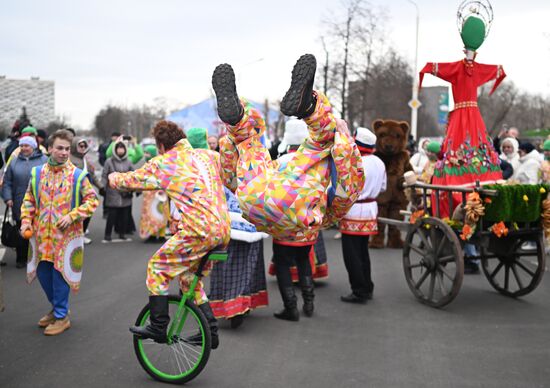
482	339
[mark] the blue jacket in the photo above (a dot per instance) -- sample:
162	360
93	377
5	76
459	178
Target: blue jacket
17	177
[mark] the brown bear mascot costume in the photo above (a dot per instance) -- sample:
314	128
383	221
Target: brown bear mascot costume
391	148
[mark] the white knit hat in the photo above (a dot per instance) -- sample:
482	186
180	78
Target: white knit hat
28	140
365	137
295	134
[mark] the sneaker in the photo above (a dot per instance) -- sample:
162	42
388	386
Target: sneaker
46	320
58	326
298	100
124	238
87	241
230	109
338	236
106	239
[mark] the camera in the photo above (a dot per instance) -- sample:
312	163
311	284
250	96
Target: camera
127	137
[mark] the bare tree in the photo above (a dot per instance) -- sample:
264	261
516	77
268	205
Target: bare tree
495	108
342	31
369	50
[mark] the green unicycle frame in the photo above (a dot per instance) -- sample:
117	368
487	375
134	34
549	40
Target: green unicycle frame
185	306
176	326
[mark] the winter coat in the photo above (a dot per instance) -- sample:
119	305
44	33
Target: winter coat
115	198
81	161
527	172
17	177
135	153
418	161
14	143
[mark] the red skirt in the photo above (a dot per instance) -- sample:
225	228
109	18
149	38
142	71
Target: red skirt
468	153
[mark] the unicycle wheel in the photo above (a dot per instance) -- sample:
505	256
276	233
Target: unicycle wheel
185	355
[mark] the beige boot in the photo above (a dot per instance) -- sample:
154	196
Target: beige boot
58	327
46	320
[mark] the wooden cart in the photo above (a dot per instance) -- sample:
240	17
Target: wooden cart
433	253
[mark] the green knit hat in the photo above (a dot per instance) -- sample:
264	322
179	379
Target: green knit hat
198	138
434	147
546	145
151	149
30	130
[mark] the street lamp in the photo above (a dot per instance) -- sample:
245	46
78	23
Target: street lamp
414	103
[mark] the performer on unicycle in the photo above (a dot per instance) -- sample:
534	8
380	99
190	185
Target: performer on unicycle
190	178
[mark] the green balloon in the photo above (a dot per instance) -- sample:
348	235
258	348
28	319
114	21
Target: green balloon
473	33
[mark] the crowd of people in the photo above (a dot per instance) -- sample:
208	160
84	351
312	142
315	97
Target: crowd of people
201	192
521	161
53	188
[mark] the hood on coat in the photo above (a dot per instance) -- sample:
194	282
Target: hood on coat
515	146
115	155
74	148
533	155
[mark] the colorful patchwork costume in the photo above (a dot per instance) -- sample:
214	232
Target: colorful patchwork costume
292	203
54	192
191	180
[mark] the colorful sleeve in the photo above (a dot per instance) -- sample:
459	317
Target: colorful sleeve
144	178
444	71
89	202
28	208
485	73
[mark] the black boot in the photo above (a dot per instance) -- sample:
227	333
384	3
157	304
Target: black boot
230	109
307	293
212	323
290	312
299	100
159	319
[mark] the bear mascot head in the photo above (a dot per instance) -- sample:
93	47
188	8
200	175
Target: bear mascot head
391	136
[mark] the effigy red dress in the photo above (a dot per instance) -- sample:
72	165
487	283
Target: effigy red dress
468	153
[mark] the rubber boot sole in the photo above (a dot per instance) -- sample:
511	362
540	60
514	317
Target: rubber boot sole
229	105
303	75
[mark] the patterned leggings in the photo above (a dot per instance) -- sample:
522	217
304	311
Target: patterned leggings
179	256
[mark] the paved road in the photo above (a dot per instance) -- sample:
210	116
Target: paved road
481	340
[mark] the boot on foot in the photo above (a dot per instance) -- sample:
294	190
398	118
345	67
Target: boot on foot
290	312
159	319
230	109
196	339
299	100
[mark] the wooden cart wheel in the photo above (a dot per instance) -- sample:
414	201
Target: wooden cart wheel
517	271
433	262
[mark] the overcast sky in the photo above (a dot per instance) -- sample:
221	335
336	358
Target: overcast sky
128	52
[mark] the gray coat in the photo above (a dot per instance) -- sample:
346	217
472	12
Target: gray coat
115	198
17	178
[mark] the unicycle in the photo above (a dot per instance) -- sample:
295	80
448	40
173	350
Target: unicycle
187	349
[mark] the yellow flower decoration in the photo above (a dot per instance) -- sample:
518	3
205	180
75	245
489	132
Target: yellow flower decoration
525	198
542	191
